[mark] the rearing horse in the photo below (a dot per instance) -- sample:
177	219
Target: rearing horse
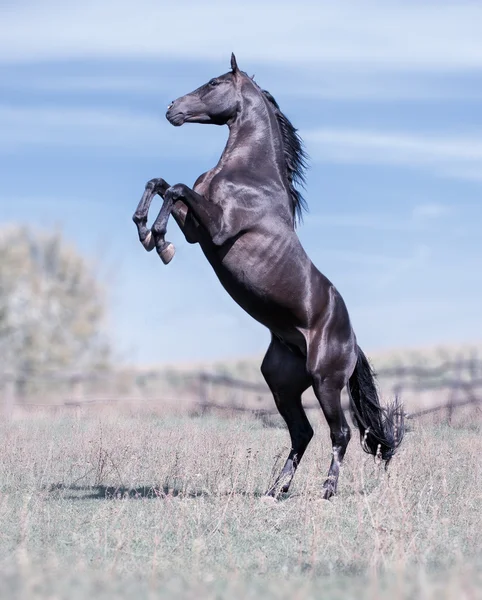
243	214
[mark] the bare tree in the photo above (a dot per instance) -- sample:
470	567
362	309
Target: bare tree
51	305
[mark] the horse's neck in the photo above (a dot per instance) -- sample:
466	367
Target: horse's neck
255	148
254	140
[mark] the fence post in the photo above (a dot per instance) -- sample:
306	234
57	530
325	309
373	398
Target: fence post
77	388
458	378
450	409
203	392
9	394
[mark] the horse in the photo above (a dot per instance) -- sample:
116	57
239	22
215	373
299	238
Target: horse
243	213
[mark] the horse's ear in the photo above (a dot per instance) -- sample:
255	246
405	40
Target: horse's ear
234	64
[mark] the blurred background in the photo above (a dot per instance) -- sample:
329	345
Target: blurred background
387	99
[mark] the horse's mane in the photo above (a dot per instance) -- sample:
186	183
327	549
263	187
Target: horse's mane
295	158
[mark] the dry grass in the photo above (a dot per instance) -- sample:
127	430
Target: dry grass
107	504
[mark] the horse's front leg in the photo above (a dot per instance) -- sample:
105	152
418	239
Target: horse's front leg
153	187
209	215
186	222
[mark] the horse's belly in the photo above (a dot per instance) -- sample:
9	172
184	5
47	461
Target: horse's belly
273	280
272	306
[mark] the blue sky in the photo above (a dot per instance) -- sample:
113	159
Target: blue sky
386	95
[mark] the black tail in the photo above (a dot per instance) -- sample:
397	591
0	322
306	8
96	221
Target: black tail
381	428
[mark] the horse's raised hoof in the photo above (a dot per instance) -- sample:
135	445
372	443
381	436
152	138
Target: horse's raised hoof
148	242
167	253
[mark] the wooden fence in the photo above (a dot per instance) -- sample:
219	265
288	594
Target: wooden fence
460	382
456	382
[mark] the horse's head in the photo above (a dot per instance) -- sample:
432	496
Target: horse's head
216	102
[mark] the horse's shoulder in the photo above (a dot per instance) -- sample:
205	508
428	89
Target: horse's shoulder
202	185
200	180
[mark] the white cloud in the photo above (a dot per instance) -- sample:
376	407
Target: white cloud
327	83
443	155
72	127
470	173
143	134
430	210
417	220
85	83
419	260
365	259
377	221
363	83
109	130
420	36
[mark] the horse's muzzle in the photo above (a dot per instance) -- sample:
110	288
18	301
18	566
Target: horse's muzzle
175	117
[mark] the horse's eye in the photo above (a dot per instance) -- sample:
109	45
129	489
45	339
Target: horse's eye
213	83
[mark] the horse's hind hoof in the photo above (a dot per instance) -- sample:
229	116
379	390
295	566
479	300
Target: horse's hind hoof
328	493
167	253
269	500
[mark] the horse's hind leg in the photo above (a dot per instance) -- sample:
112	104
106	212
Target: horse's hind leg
328	392
285	373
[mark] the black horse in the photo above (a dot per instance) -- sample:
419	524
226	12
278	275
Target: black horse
243	214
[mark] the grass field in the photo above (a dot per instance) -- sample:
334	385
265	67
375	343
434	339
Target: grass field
128	503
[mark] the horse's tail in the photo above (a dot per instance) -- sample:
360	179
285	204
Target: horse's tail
381	427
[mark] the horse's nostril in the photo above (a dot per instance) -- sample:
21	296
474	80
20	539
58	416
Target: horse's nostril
170	106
